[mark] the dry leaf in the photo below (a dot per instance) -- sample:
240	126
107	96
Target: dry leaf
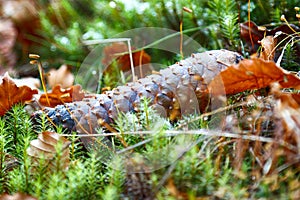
258	33
252	74
288	110
61	76
112	52
17	196
11	94
33	83
175	192
44	148
24	14
171	187
24	10
287	120
251	34
268	48
8	35
60	96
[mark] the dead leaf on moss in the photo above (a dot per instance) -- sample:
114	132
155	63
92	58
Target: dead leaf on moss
287	120
62	76
174	191
11	94
251	33
17	196
288	108
45	148
268	48
252	74
60	96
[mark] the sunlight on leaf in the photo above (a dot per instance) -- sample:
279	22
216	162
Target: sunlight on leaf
11	94
60	96
252	74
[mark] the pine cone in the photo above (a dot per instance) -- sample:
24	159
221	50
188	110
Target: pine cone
174	89
138	184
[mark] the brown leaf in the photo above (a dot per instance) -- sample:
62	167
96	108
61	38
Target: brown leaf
45	148
287	120
175	192
124	61
61	76
251	33
11	94
112	52
172	189
8	35
60	96
268	48
17	196
26	19
24	11
252	74
257	33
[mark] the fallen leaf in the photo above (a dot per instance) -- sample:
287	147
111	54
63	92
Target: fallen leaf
286	111
33	83
25	16
60	96
24	10
61	76
175	192
45	148
252	74
8	35
124	61
251	33
171	187
268	48
11	94
17	196
112	52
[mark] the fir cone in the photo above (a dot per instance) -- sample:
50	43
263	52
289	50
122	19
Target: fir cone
138	185
178	89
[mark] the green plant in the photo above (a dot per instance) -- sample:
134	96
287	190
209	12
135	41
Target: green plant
5	140
224	15
290	59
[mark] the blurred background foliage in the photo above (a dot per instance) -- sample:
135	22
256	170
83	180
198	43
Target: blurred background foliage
56	29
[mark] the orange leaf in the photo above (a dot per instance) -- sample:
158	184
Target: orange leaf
252	74
60	96
11	94
111	53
